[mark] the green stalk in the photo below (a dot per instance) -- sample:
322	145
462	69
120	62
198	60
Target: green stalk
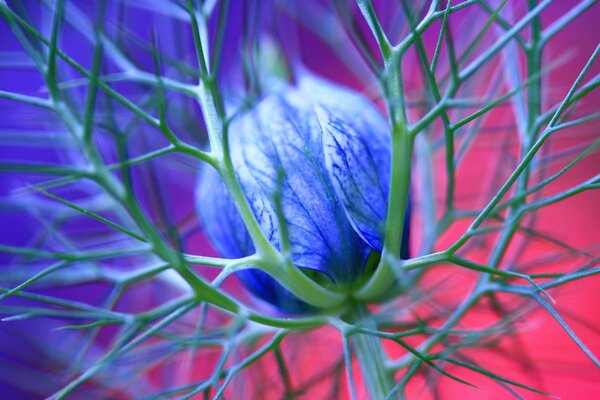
401	157
384	276
371	356
534	93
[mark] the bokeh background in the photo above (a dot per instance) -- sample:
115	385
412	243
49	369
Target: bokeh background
36	358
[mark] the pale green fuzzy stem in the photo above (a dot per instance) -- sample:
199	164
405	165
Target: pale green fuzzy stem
402	146
373	360
402	143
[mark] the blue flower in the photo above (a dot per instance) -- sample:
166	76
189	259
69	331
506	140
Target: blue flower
332	148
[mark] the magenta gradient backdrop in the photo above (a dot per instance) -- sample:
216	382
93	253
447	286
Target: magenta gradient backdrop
541	354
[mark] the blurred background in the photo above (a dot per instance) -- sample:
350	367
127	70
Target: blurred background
38	355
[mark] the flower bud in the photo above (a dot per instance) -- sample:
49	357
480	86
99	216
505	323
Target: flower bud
326	151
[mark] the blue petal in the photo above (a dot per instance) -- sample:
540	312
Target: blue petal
332	148
225	230
281	135
269	290
404	250
356	146
220	219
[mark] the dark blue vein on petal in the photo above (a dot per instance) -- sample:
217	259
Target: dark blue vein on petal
358	163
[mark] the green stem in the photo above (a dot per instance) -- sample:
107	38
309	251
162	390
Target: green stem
384	276
371	356
534	93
